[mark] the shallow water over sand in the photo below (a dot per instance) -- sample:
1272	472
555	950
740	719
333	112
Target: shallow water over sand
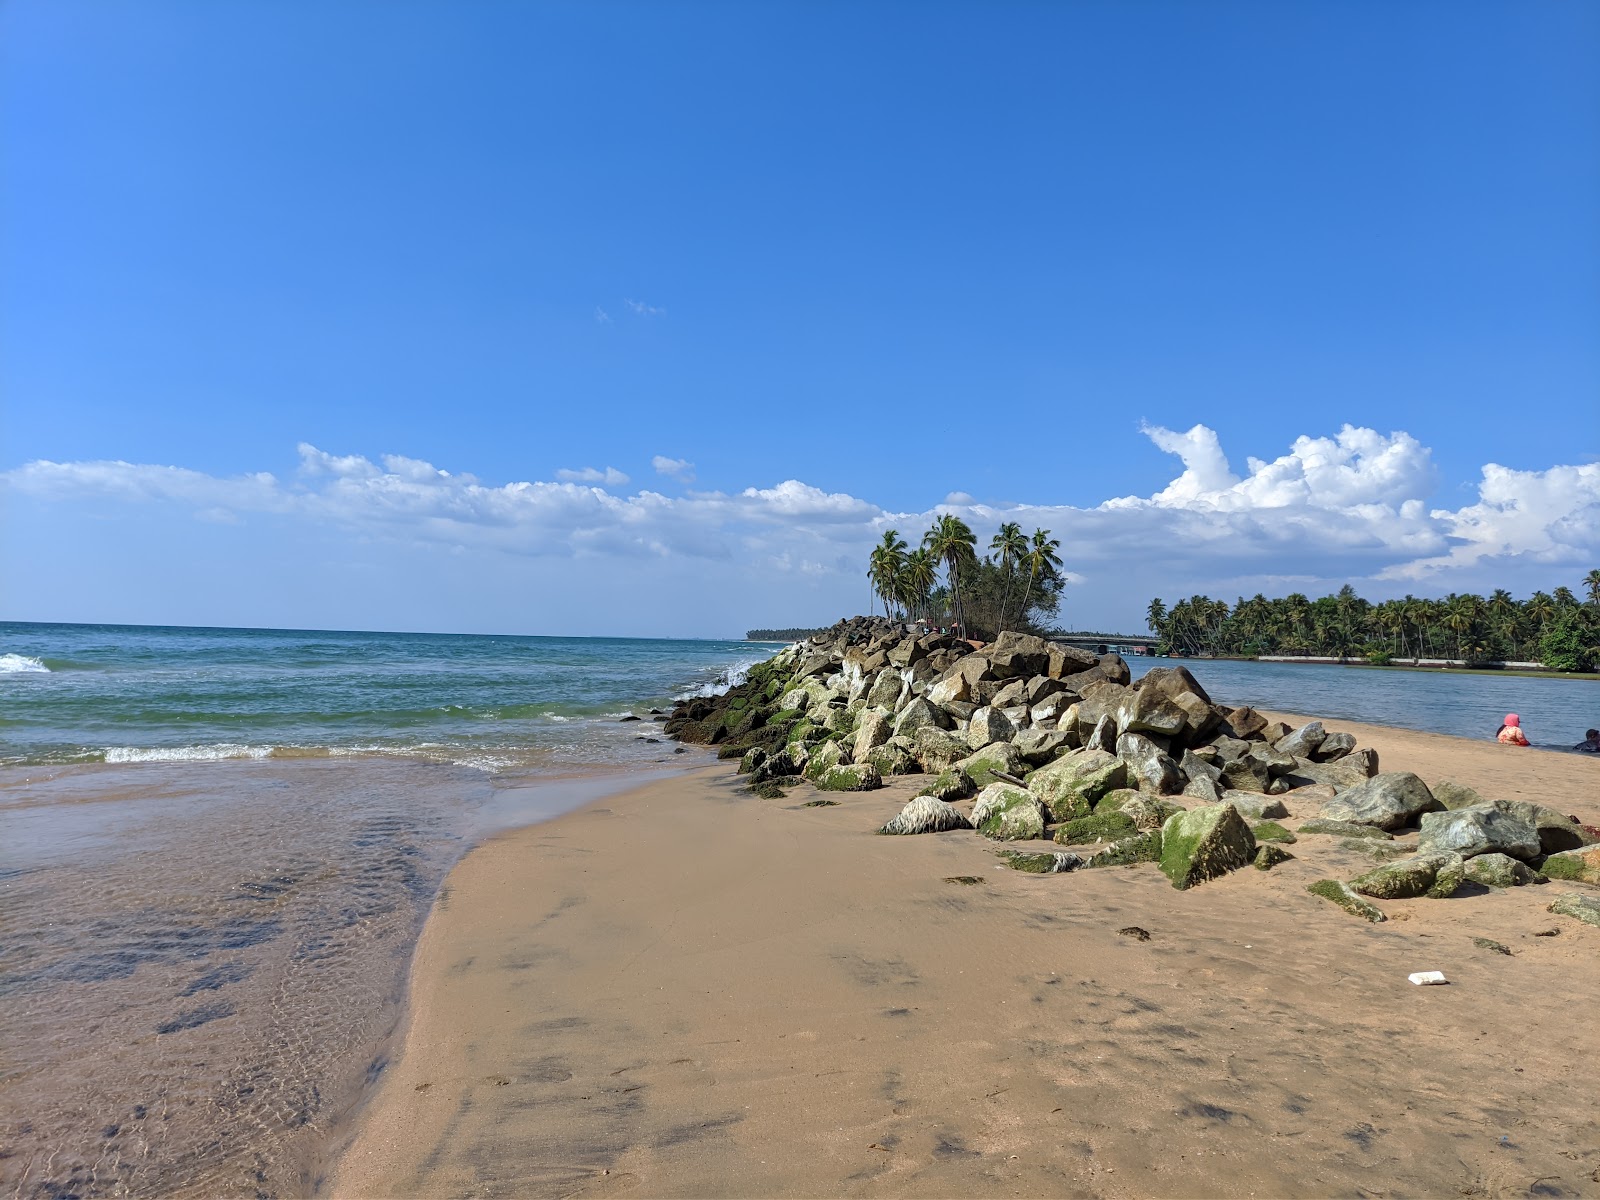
200	966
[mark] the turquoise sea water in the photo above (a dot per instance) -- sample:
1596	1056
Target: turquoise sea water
118	693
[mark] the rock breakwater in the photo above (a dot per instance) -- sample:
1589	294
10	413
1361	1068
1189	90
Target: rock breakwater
1052	742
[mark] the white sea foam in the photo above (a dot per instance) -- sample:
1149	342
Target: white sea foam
732	677
21	664
215	752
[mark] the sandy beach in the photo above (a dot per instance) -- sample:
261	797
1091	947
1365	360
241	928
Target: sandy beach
689	991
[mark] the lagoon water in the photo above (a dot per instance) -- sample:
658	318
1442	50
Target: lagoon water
217	848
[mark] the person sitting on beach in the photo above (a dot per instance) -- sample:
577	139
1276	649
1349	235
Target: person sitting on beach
1590	743
1510	733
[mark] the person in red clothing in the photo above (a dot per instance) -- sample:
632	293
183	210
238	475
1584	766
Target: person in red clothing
1511	733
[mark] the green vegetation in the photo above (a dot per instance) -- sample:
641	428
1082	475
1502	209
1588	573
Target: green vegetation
1017	586
1554	628
780	635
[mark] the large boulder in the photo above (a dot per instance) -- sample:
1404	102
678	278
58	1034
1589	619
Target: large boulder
1477	829
1013	654
1338	775
1392	800
1071	785
1303	742
1066	661
1334	747
919	714
950	689
1243	723
1148	765
857	777
950	785
1580	906
1203	843
1577	866
989	725
873	731
1039	746
924	814
997	756
1007	813
1254	806
1503	871
1557	831
1433	875
1145	811
891	758
936	750
1169	701
826	757
886	690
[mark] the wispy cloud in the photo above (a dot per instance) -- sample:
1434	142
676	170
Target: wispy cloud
601	315
645	310
611	477
680	469
1351	506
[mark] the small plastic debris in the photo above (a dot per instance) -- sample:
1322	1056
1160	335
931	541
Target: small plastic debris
1425	978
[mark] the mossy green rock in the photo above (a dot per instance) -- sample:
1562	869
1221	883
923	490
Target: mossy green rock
893	760
1455	795
1040	864
1117	798
1145	811
1096	827
1340	894
1269	855
1576	866
950	785
825	758
1499	871
1203	843
937	750
1346	829
1007	814
1579	906
1072	785
752	759
1271	831
1140	848
1375	850
857	777
1408	878
997	756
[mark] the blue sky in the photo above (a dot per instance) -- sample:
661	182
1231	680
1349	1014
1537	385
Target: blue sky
856	260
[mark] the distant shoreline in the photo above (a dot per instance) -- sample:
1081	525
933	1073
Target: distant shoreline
1310	661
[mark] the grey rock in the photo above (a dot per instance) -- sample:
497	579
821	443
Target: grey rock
1039	746
1152	769
989	725
1499	871
981	765
950	785
1389	801
919	714
1070	786
1433	875
1007	813
1303	742
1455	795
873	731
1254	806
1578	905
1335	746
1345	829
1478	829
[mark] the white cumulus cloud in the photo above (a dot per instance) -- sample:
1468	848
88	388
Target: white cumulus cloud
676	468
611	477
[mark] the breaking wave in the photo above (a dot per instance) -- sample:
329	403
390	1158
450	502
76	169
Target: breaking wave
21	664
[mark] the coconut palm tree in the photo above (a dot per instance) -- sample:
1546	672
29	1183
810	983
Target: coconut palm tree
1041	559
884	566
1591	584
1156	617
916	579
951	542
1009	546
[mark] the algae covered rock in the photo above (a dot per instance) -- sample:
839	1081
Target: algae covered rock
1140	848
1479	829
1203	843
1254	806
1041	864
1578	905
891	759
1070	786
1577	866
856	777
1271	831
1008	814
1146	812
1346	829
1269	856
1340	894
998	756
1435	875
937	750
924	814
1391	800
825	758
1500	871
919	715
753	758
1039	746
1096	827
1455	795
950	785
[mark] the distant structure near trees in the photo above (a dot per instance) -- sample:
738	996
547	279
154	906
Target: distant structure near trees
780	635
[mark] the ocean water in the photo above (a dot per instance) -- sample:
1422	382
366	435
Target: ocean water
217	848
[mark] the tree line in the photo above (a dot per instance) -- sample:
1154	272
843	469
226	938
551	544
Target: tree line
780	635
1017	585
1555	628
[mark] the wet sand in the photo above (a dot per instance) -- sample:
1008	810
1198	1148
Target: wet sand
688	991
